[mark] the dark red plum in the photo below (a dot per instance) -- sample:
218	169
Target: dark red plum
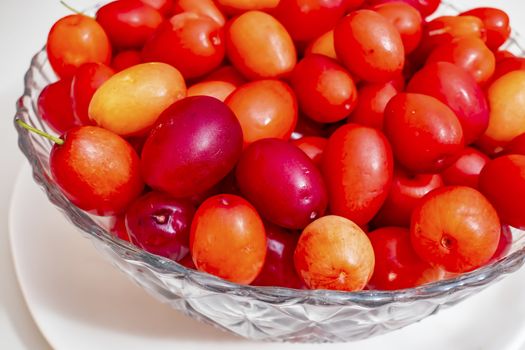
282	183
195	143
278	269
459	91
160	224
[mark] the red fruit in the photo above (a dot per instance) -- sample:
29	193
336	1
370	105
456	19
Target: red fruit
307	127
469	53
466	169
322	45
235	7
334	253
282	183
455	227
163	6
201	7
75	40
265	109
130	102
506	98
445	29
195	143
126	59
187	262
313	147
405	194
516	146
407	21
504	245
459	91
307	20
369	46
425	7
397	266
118	228
227	74
54	106
425	134
495	23
160	224
97	170
228	239
502	54
278	269
325	91
275	54
502	180
87	79
128	23
371	104
192	43
357	168
219	84
507	65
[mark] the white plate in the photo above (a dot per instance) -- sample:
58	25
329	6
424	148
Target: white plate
80	301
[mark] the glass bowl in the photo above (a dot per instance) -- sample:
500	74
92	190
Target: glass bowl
260	313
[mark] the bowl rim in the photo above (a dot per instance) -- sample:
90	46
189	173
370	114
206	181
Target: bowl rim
478	278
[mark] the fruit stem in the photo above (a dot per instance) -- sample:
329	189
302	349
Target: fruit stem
71	8
26	126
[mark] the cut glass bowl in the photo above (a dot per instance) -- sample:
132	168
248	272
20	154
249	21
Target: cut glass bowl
260	313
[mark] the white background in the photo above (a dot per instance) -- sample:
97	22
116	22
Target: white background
23	29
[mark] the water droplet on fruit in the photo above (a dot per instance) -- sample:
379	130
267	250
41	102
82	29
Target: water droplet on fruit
313	215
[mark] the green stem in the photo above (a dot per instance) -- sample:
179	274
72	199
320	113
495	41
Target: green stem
71	8
26	126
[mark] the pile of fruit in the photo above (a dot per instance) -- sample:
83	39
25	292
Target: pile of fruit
342	144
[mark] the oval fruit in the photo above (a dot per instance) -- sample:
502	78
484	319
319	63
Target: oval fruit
195	144
326	92
507	108
405	194
369	46
397	266
278	269
502	180
130	102
160	224
455	227
265	108
459	91
75	40
228	239
192	43
425	134
334	253
96	170
357	168
259	46
466	169
282	183
128	23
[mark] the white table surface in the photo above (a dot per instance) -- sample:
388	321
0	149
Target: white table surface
23	29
